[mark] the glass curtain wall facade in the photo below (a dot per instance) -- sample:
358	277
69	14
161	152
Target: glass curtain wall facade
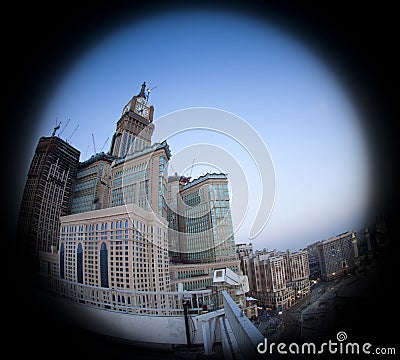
92	184
140	179
206	220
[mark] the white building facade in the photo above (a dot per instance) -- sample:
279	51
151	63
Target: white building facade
276	278
123	247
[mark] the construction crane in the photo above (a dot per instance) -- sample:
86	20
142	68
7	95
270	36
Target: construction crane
94	144
69	139
185	179
55	129
191	168
64	127
104	144
87	149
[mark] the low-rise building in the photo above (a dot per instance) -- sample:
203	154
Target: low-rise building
276	279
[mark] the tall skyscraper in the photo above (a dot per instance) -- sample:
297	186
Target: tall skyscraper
174	218
116	236
47	195
133	176
200	220
133	170
201	235
206	220
140	178
135	127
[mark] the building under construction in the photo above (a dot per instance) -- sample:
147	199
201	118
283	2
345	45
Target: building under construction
47	195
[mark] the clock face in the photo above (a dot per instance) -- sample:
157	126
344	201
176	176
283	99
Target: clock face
142	110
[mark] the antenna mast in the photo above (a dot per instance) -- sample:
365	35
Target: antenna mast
149	91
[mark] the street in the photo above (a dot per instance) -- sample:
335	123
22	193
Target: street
312	316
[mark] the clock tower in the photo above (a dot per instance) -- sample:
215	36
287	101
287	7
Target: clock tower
135	127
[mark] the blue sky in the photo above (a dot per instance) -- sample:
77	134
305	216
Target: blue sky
262	74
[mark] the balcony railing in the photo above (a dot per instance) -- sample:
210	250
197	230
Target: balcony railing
160	303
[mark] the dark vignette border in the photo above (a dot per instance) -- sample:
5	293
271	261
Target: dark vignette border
357	40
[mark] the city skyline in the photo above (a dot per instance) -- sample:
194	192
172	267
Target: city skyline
316	143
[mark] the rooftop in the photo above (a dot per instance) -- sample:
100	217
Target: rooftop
96	157
337	237
203	178
147	150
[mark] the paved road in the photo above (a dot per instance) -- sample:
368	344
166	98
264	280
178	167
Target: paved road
313	315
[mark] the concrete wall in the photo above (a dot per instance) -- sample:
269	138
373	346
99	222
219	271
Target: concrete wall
244	335
165	330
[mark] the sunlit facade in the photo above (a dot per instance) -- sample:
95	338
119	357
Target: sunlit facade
200	230
140	179
206	222
277	279
122	247
134	128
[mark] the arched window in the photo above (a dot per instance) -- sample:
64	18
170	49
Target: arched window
79	264
62	276
103	265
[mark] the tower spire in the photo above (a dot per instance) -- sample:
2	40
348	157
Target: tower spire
142	90
134	128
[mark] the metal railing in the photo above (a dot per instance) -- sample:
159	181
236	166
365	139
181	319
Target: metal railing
245	335
160	303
